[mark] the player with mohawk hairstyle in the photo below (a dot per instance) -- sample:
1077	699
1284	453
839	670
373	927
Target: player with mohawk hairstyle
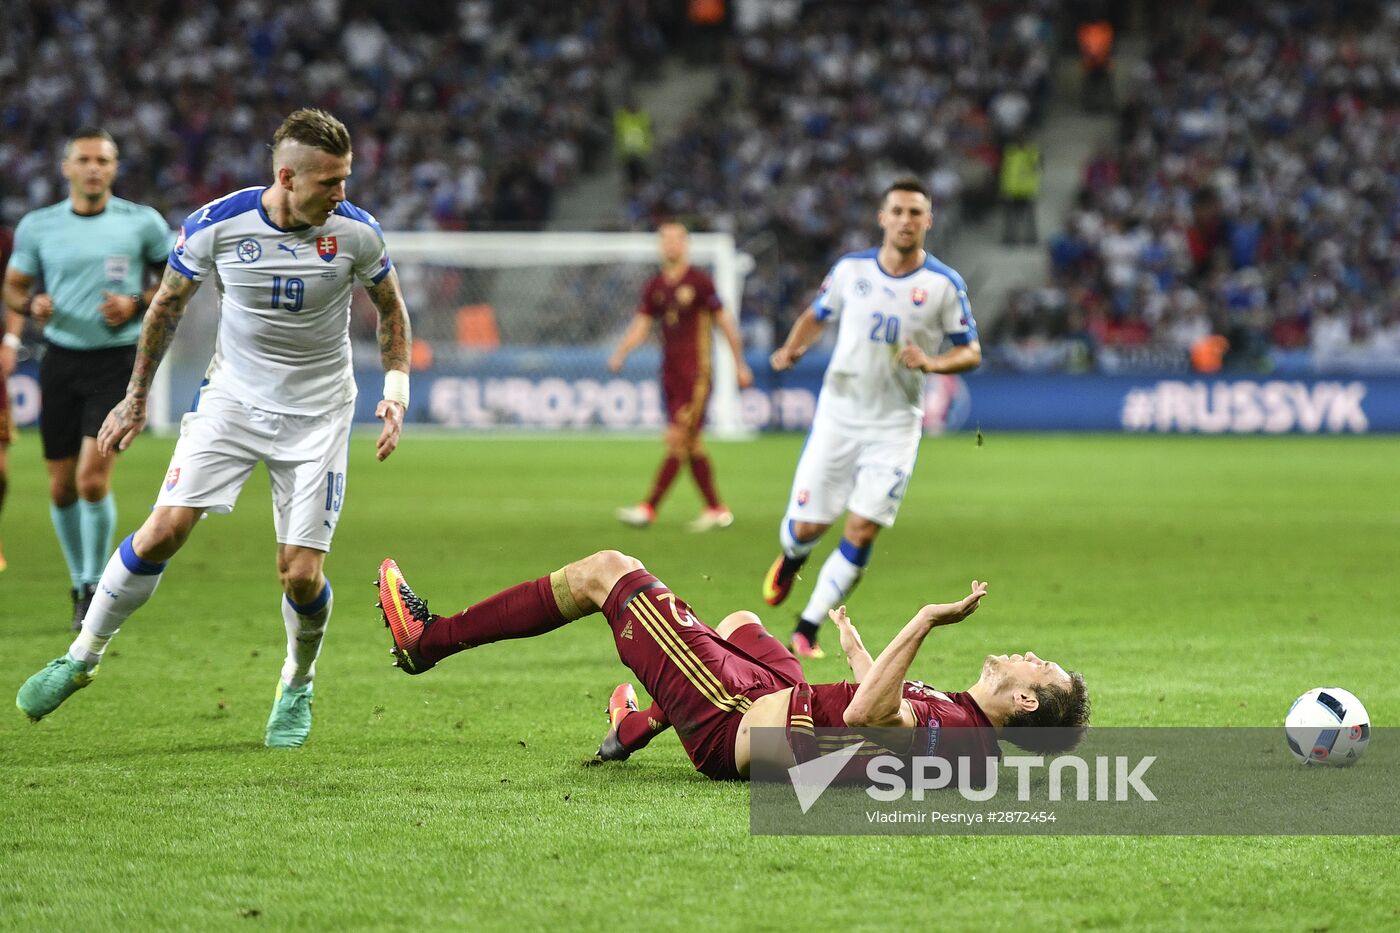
280	390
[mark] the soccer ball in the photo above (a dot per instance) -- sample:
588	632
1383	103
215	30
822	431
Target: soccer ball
1327	725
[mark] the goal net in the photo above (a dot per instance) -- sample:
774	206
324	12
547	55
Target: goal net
511	331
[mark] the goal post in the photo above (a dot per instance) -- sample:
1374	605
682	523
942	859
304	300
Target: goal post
511	331
549	308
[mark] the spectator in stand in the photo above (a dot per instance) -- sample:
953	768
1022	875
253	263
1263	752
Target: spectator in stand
442	111
1259	148
632	139
1020	187
1096	64
827	108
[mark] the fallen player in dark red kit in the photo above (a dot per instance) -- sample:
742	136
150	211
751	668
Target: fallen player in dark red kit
714	686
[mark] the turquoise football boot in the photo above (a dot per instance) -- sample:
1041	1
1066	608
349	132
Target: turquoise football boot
45	691
290	722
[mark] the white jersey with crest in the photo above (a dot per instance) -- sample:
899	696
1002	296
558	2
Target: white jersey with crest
284	299
866	390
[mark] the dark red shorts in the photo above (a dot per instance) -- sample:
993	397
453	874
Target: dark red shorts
687	397
754	641
6	419
702	683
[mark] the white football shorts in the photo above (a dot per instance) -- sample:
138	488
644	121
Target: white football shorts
838	473
223	439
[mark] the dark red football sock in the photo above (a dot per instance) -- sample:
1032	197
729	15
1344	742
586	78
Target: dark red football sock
705	478
664	477
524	610
639	728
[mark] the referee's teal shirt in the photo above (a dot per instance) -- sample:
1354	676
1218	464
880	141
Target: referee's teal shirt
78	257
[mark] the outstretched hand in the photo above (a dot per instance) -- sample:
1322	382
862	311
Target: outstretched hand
856	656
392	414
937	614
843	621
850	638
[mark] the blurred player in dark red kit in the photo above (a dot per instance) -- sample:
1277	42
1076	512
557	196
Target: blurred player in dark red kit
715	685
11	326
684	300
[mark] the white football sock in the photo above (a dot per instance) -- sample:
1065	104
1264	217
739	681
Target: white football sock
126	583
839	575
792	547
306	627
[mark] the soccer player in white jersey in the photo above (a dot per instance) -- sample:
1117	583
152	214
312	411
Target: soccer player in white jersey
280	390
895	305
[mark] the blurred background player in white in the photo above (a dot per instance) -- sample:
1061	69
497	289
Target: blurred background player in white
280	390
684	299
81	269
895	305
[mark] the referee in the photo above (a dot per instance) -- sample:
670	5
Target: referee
80	269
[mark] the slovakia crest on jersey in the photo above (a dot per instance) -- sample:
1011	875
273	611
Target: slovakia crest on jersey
180	242
918	296
326	247
171	478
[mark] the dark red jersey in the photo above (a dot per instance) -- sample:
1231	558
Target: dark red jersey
931	707
954	725
685	309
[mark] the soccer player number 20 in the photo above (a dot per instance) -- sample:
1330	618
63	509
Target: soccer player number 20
885	329
295	292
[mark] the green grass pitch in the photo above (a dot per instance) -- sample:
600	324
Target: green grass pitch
1193	581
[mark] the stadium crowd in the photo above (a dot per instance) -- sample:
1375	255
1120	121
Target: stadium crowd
464	115
1249	215
823	107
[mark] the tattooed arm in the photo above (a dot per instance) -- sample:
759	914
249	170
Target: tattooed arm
157	330
395	338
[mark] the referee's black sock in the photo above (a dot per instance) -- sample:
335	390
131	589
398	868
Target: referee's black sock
809	629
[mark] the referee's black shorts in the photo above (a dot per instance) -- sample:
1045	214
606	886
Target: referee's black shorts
77	389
